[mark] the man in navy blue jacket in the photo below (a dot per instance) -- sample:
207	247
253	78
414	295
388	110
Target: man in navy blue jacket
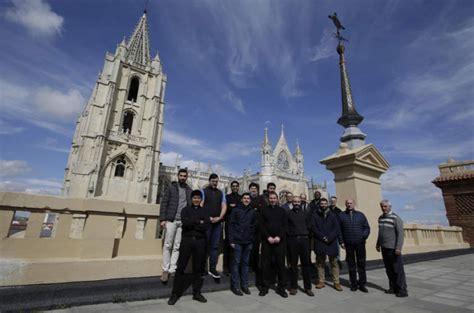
325	228
354	232
242	227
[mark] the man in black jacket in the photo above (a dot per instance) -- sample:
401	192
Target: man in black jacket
314	204
299	226
355	230
242	230
273	224
196	222
233	200
176	197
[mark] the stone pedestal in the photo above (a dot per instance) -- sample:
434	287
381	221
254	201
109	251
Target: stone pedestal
357	175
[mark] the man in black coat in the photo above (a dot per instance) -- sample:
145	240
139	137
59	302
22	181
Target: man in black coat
196	222
299	226
325	228
273	225
233	200
355	230
176	197
314	204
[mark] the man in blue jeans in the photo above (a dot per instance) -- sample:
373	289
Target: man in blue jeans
242	228
215	203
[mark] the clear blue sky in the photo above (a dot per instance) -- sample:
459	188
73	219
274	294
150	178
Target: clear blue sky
235	67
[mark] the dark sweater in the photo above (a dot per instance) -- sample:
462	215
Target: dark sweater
242	226
354	230
213	201
272	222
233	201
195	221
299	222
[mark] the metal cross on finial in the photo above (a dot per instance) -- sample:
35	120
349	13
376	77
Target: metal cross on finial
339	26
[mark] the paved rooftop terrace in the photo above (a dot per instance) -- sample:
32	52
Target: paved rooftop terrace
444	285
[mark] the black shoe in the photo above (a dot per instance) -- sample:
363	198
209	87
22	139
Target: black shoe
246	291
282	293
215	274
173	299
309	292
353	288
389	291
263	293
363	289
199	297
236	292
401	294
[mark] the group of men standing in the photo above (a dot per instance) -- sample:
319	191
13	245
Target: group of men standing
266	238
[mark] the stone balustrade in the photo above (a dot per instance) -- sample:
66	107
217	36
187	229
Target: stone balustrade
424	238
94	239
90	239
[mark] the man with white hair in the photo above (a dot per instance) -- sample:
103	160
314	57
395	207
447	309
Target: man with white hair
390	241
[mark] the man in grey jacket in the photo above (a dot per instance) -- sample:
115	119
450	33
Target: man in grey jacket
176	197
390	241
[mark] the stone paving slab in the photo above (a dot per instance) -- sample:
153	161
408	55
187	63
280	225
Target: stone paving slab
445	285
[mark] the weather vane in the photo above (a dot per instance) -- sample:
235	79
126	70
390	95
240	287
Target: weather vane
339	26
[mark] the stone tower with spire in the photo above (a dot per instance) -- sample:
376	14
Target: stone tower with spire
116	146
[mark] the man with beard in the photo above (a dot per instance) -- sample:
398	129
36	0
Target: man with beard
325	227
176	197
314	204
273	224
215	202
233	200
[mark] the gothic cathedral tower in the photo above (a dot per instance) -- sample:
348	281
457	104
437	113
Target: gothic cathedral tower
116	146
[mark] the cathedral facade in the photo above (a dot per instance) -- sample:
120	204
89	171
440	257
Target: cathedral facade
116	145
278	165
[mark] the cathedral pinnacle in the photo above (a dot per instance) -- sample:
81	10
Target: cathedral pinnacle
139	44
298	149
265	137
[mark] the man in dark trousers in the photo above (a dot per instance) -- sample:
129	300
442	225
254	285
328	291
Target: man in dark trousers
390	240
298	246
196	222
273	224
242	229
232	200
176	197
325	228
355	230
257	202
215	202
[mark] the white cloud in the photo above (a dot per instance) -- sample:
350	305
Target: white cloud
63	105
234	101
44	107
179	139
439	92
429	148
36	16
325	48
52	145
32	185
409	178
9	168
7	128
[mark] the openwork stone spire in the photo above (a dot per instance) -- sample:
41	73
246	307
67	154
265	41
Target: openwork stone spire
138	46
298	149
